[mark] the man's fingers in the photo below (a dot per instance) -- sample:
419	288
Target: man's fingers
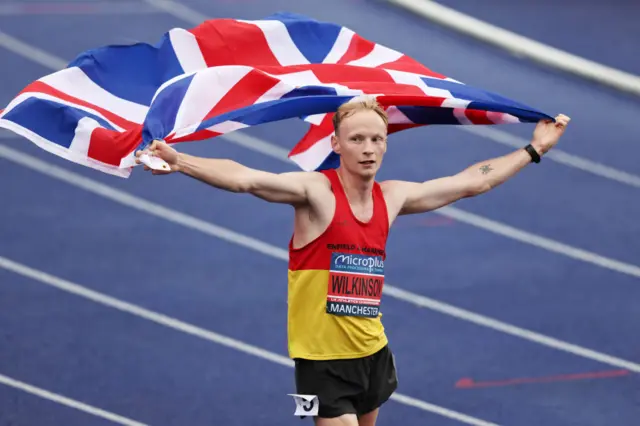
562	120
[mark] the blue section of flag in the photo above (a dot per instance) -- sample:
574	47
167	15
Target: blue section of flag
462	91
314	39
331	162
130	72
161	117
53	121
429	115
276	110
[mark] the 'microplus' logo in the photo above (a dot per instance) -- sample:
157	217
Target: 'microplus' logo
357	263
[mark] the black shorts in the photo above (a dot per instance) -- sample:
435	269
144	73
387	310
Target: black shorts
345	386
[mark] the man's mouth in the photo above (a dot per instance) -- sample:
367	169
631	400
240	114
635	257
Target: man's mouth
368	162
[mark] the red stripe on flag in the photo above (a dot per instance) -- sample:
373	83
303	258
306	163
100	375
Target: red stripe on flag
287	69
404	100
40	87
369	80
358	48
227	41
340	74
193	137
315	133
477	116
246	92
390	89
407	64
110	146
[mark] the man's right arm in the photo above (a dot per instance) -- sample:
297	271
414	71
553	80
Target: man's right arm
229	175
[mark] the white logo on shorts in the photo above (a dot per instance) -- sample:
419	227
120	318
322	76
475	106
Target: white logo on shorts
306	405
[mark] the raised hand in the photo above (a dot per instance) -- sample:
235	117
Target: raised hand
162	150
547	133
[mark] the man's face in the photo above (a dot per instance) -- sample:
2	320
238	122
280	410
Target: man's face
361	143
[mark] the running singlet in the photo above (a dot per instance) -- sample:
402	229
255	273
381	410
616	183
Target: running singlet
335	284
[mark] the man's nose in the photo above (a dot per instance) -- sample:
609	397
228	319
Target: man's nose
368	146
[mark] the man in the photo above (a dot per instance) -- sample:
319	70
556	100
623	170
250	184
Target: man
337	250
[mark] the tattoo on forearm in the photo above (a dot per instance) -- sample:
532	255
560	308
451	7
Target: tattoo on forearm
486	169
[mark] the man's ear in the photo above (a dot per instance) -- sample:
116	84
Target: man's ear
334	144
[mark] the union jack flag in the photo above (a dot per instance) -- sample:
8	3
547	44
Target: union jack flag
229	74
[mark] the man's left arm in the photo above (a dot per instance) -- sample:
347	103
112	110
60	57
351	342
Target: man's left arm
410	197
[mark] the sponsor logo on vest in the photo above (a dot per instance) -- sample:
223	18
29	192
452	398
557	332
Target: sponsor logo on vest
357	263
355	285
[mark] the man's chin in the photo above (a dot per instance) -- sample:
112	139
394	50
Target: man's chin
364	172
368	172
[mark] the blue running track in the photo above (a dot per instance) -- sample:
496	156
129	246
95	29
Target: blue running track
68	229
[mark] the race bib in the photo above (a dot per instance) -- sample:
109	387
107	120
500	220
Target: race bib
355	285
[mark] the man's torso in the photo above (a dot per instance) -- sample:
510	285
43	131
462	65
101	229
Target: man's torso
336	275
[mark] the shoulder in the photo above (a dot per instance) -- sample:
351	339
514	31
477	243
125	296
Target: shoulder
320	201
317	185
394	188
312	179
394	193
389	185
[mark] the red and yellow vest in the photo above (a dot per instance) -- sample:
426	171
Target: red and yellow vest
335	284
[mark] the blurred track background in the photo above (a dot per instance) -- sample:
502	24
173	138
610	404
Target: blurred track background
519	307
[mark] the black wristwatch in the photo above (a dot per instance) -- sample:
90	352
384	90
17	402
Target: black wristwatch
535	157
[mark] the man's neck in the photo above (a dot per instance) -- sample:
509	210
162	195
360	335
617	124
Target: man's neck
358	190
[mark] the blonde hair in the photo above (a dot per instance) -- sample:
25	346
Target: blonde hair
358	104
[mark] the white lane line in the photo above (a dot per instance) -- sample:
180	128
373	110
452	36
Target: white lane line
504	327
140	204
178	10
522	46
63	400
250	142
191	222
202	333
32	53
195	18
557	155
539	241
